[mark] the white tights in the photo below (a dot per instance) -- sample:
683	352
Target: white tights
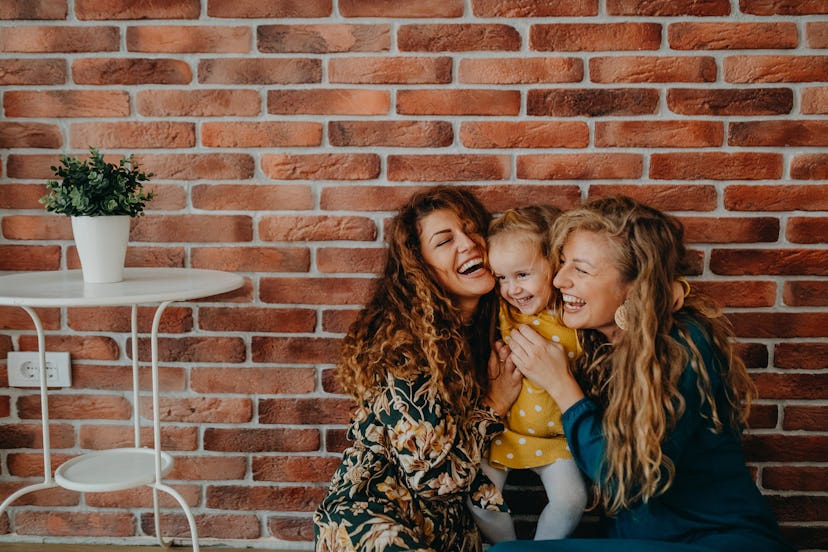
567	494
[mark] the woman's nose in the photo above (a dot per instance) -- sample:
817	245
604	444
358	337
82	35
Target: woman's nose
561	279
464	242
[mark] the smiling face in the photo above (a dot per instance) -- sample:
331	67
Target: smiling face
456	256
590	282
522	273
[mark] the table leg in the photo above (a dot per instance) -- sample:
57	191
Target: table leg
48	482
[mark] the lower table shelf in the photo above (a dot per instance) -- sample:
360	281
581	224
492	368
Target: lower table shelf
111	470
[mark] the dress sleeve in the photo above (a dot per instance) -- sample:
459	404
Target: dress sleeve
437	453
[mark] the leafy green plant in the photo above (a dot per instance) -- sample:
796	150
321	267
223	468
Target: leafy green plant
92	187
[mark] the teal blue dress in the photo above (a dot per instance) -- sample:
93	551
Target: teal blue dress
713	503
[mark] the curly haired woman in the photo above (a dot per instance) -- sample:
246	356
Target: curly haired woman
654	413
415	360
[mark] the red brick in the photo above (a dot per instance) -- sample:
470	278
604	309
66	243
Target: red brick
130	71
769	325
266	10
59	39
215	526
103	437
316	291
329	102
175	319
133	135
807	262
66	103
586	102
458	102
776	198
74	524
520	70
731	230
210	166
337	321
786	448
457	38
791	386
529	134
365	198
261	440
798	508
533	8
437	168
16	436
337	440
817	34
271	134
32	71
726	101
652	69
778	133
197	103
252	259
258	381
423	134
499	197
659	134
807	418
192	228
142	497
291	528
29	257
801	293
323	39
21	196
807	230
107	377
300	411
763	416
256	319
801	356
582	166
29	135
234	197
782	7
290	469
208	468
291	499
294	349
752	69
687	197
580	37
716	166
390	70
201	410
350	260
37	227
79	347
738	294
30	464
33	9
392	9
259	71
732	36
814	100
810	167
189	39
195	349
672	8
317	228
126	9
795	478
322	166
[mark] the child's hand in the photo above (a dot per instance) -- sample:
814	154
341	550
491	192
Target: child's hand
546	364
504	385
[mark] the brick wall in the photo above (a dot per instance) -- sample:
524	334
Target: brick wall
283	134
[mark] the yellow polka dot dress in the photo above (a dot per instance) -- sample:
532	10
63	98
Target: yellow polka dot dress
534	434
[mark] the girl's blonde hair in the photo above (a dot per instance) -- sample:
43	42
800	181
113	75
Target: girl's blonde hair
635	379
531	224
411	325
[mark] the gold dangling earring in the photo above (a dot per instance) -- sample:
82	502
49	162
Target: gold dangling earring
621	316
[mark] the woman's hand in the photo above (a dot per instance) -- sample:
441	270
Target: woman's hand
545	364
504	380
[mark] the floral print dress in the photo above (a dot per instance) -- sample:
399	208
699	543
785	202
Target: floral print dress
405	482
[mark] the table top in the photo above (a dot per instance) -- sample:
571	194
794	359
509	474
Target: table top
66	288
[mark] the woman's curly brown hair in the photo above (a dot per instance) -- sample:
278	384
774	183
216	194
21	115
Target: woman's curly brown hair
411	325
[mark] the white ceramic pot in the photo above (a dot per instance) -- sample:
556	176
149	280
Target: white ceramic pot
102	244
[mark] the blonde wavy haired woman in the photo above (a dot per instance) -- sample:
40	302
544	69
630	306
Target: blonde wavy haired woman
417	360
654	410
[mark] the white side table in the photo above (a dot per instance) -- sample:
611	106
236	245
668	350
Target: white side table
123	468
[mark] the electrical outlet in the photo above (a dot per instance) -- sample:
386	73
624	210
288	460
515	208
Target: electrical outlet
24	369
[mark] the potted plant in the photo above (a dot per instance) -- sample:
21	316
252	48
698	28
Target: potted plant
101	198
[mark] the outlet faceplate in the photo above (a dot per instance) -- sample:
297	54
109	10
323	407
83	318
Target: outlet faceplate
24	369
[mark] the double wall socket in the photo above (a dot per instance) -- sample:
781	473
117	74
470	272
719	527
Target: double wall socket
24	369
